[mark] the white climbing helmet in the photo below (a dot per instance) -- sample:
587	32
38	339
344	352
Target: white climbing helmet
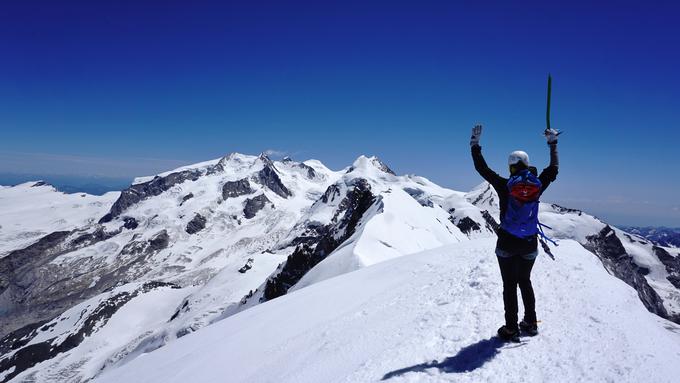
517	157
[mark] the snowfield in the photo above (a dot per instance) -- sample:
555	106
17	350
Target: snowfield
429	317
32	210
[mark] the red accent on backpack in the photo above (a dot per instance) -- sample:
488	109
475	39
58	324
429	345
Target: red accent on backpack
525	192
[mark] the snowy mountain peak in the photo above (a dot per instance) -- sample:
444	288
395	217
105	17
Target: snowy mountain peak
236	159
369	165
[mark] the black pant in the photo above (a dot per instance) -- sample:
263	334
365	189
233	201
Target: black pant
515	271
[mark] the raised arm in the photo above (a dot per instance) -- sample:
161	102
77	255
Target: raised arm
549	174
480	164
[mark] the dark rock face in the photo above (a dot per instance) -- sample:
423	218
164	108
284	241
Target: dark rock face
310	171
255	204
306	256
186	198
26	357
491	223
88	239
232	189
467	225
33	289
40	183
247	266
561	209
419	196
130	223
196	224
330	194
672	265
608	247
139	192
268	177
382	166
158	242
488	196
19	262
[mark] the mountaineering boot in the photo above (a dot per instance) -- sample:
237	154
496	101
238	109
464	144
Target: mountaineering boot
529	328
508	334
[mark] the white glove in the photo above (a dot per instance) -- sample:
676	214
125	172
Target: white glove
476	133
551	135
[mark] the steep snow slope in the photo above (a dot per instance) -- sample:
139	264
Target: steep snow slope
34	209
403	220
111	328
429	317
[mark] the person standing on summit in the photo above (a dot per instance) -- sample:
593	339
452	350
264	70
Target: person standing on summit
517	245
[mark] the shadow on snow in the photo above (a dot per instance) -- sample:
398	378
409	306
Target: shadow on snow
467	359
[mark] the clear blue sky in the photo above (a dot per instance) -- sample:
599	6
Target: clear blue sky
131	87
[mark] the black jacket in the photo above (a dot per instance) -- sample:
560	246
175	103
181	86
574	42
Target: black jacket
506	241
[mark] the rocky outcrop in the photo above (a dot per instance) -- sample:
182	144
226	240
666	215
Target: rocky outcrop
268	177
196	224
20	357
382	166
671	263
419	196
608	247
253	205
467	225
138	192
310	172
33	288
247	266
157	242
130	223
232	189
486	198
306	256
563	210
186	198
330	194
491	222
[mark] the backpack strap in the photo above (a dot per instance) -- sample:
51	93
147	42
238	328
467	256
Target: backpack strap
543	237
542	234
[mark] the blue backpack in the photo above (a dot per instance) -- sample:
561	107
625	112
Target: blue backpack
521	217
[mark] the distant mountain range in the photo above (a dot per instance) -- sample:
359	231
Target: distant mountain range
664	236
95	185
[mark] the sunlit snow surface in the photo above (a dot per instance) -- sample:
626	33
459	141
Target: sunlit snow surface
29	212
429	317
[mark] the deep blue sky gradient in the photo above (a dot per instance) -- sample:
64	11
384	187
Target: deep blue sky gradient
135	87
